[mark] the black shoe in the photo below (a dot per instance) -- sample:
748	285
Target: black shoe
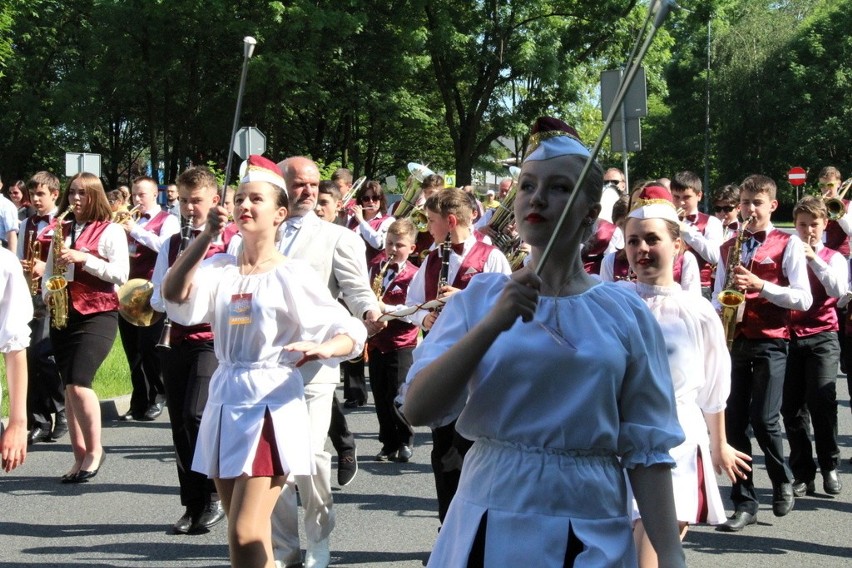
38	434
347	467
802	488
831	482
782	499
738	521
83	475
132	415
353	403
183	524
211	515
154	411
386	455
404	454
60	426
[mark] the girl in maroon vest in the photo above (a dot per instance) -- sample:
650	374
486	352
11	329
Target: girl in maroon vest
370	218
96	260
809	385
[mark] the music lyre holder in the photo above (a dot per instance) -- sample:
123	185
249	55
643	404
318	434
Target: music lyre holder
248	49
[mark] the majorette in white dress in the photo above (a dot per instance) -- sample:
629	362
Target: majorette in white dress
701	373
552	407
253	318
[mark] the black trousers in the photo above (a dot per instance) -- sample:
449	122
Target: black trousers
757	383
338	430
810	396
187	369
45	391
354	383
387	374
448	451
145	371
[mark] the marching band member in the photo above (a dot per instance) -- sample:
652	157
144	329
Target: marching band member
190	361
391	349
773	275
701	233
370	219
726	208
836	231
553	429
45	394
94	254
449	213
699	363
145	237
810	394
270	315
16	310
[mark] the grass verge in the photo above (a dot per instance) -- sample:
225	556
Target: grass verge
111	380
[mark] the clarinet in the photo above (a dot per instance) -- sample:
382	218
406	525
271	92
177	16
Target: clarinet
165	342
445	249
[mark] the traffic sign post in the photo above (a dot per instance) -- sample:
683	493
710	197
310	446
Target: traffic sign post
249	140
797	176
76	162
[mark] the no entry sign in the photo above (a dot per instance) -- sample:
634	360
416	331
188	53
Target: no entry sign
797	176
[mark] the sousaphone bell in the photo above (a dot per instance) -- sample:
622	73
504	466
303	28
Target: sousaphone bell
134	303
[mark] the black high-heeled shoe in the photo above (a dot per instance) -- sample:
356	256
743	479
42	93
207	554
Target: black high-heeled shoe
83	475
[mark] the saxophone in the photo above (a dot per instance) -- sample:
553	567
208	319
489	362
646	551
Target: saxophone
730	298
379	280
57	285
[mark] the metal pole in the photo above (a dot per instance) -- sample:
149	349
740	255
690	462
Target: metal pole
707	126
248	49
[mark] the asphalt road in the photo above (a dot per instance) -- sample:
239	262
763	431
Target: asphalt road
385	517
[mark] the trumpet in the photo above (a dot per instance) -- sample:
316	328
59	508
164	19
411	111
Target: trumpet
836	207
121	217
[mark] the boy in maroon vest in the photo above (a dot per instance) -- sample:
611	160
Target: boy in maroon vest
390	350
190	361
45	393
449	213
145	237
773	276
809	386
701	233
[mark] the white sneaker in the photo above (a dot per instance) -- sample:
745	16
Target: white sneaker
317	555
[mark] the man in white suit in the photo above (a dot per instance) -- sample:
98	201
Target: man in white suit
338	256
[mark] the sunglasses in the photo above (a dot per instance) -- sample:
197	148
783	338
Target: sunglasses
612	182
370	198
725	208
828	185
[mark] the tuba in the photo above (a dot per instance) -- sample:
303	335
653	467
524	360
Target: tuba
836	207
407	207
730	298
57	285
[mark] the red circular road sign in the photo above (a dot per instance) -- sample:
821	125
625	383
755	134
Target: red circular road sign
797	176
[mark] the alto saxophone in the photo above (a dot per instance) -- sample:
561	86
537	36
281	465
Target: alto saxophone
57	285
730	298
33	254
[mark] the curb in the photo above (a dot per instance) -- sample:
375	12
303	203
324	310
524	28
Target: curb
112	408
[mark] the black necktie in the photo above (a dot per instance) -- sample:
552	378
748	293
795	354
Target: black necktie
40	219
691	218
759	236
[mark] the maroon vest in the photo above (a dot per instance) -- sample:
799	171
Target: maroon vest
472	264
593	251
200	333
398	334
704	267
374	223
678	268
835	237
762	319
142	261
422	244
821	316
88	293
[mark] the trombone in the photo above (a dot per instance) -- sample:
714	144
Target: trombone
835	205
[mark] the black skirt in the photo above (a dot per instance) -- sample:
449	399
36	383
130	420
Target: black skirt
81	347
